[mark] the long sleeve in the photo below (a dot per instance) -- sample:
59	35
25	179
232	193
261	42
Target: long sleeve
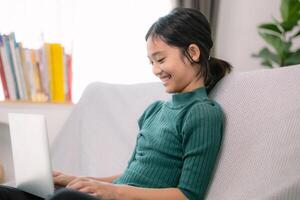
202	133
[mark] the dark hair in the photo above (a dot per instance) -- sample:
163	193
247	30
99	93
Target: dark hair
183	27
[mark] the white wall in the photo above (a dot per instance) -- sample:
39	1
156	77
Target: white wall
237	37
106	37
112	47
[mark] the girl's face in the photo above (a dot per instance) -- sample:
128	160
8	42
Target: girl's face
174	69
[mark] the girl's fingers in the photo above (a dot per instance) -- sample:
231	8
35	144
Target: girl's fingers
56	173
94	194
72	182
77	181
78	185
59	180
87	189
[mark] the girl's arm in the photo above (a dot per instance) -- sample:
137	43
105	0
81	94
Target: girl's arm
110	191
106	179
135	193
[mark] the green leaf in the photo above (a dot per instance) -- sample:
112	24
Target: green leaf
288	25
270	27
267	63
281	47
290	13
296	34
293	58
268	55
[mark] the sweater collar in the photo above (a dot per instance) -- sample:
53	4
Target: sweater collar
179	99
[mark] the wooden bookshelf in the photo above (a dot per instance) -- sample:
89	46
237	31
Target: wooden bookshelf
24	102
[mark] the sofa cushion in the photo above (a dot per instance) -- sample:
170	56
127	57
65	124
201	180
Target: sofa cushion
260	154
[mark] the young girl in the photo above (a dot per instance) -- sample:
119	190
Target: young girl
179	140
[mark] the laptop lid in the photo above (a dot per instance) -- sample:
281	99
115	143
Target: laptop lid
33	171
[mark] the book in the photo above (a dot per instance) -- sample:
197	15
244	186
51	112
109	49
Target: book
11	83
25	70
69	77
16	65
49	70
44	70
2	75
11	65
57	73
35	60
29	67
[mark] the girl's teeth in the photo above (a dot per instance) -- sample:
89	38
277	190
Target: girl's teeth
166	78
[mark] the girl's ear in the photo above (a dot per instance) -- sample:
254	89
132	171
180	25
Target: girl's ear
194	52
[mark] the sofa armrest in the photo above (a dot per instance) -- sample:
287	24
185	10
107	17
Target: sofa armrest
6	161
1	174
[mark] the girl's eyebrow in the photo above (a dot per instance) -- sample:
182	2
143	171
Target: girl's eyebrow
155	54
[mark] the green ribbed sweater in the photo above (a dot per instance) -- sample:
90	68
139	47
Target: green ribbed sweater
177	144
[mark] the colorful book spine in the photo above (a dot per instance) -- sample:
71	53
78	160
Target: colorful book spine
29	64
69	77
2	75
9	74
25	70
16	65
44	70
48	59
57	73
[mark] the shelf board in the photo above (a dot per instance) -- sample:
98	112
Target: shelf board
22	102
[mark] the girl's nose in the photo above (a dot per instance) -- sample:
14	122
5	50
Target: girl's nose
156	70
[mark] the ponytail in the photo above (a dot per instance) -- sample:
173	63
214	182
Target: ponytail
217	69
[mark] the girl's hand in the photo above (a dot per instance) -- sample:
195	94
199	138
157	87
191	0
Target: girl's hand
102	190
62	179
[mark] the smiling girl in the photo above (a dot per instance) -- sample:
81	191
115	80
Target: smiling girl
179	140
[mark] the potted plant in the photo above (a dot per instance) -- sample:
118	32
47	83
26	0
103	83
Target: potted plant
280	35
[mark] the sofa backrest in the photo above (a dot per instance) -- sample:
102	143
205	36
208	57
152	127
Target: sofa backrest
260	154
99	136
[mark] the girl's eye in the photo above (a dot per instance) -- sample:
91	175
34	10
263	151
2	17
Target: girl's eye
161	60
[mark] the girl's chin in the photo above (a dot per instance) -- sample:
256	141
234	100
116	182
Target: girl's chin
169	89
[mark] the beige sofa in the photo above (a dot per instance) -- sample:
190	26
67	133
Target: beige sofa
260	153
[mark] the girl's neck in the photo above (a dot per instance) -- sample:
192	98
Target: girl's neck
196	83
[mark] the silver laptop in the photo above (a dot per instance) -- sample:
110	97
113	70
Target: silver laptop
32	165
